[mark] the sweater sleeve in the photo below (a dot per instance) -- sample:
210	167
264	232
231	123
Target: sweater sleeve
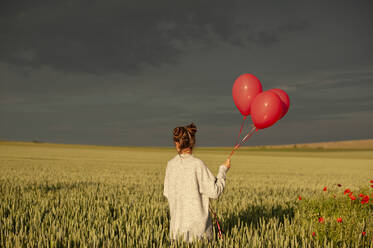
210	185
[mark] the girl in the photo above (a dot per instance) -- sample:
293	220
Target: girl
188	185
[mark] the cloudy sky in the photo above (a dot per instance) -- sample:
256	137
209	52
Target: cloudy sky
127	72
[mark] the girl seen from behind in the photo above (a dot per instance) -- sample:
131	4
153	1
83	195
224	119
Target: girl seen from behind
188	186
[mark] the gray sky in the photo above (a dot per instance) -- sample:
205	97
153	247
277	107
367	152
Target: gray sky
127	72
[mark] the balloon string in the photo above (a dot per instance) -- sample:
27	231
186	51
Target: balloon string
217	223
250	133
239	134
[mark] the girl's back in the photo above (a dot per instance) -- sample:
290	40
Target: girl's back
188	186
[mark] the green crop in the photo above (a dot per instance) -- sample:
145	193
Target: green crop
87	196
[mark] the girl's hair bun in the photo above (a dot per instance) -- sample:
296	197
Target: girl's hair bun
185	135
191	128
178	133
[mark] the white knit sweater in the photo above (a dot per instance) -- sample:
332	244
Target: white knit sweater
188	185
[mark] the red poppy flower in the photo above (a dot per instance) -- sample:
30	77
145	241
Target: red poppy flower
321	220
339	185
352	197
347	191
363	233
371	181
339	220
361	195
371	185
365	199
350	194
300	198
324	189
313	234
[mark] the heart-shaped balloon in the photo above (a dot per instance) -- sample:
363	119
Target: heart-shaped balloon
266	109
244	90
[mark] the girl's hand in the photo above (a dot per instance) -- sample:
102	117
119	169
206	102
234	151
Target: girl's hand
227	163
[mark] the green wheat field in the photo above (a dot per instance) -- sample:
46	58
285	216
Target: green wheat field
90	196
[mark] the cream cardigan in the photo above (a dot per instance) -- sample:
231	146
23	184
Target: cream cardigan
188	185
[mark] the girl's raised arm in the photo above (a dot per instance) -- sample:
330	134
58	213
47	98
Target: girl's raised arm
210	185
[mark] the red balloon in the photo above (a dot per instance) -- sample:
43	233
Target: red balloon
284	99
266	109
244	90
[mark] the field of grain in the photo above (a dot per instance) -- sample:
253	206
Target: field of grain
91	196
366	144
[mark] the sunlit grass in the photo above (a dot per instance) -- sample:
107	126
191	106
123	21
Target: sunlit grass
81	196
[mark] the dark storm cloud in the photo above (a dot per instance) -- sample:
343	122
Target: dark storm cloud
337	80
119	72
103	37
333	95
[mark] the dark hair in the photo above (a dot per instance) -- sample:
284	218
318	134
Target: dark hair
185	136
